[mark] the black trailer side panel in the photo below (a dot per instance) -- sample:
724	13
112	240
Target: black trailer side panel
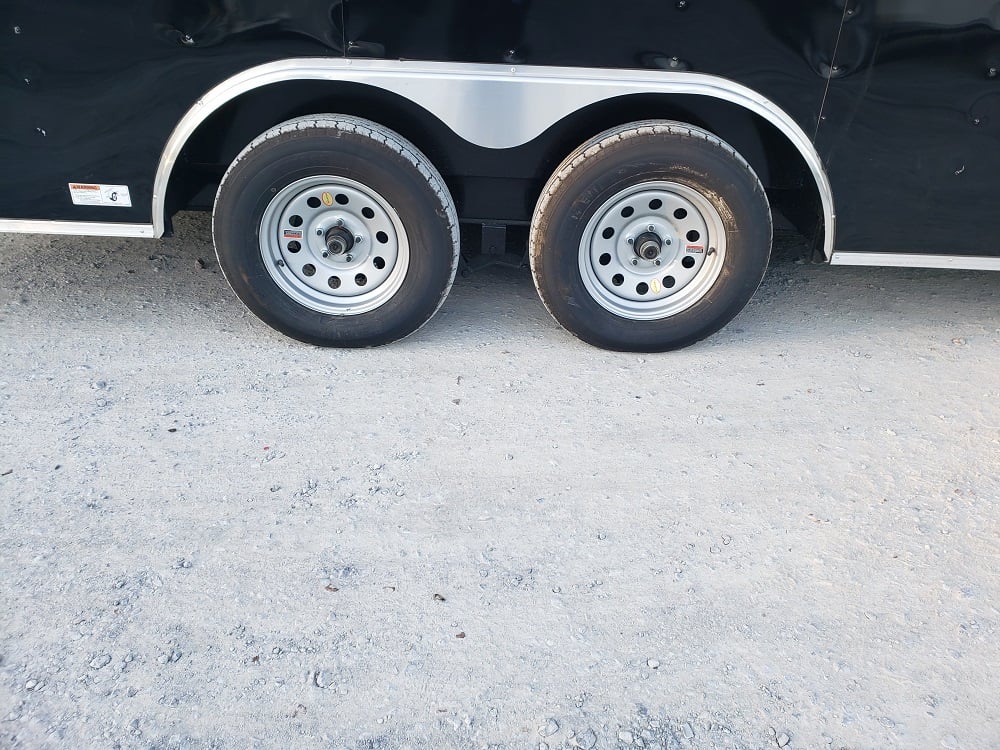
90	92
905	110
911	128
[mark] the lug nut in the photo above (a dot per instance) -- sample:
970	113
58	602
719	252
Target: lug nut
349	258
319	232
357	239
635	261
651	228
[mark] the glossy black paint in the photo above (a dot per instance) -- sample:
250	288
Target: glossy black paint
90	92
911	127
905	109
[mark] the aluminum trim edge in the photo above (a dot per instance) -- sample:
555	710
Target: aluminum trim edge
913	260
79	228
476	102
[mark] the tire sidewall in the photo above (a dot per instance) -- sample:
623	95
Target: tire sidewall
275	163
701	165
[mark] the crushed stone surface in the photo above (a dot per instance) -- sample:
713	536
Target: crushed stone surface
491	535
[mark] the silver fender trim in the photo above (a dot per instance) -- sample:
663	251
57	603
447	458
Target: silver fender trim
79	228
915	260
493	106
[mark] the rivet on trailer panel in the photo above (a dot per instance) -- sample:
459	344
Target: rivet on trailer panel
17	29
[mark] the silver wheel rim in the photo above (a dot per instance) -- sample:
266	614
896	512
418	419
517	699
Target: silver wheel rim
295	235
690	251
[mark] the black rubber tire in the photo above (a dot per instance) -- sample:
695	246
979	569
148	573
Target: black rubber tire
363	151
626	156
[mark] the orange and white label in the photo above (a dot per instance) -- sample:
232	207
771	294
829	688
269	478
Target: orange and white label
327	199
88	194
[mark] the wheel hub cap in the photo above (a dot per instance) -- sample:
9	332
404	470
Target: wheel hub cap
648	246
339	241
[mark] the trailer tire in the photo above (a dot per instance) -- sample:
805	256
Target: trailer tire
337	232
650	237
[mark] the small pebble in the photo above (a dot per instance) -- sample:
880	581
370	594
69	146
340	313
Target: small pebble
653	663
549	728
100	661
783	739
687	731
626	737
587	739
322	679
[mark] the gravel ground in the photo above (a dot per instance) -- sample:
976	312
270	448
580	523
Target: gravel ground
490	534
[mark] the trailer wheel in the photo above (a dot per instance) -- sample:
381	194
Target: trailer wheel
337	232
650	237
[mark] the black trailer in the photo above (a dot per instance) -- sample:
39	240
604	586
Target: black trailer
349	147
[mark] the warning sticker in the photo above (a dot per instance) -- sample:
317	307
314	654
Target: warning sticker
696	248
293	234
86	194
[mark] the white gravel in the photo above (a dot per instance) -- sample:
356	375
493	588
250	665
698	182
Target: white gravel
490	534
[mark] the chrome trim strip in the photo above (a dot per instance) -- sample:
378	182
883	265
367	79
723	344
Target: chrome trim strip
477	101
913	260
79	228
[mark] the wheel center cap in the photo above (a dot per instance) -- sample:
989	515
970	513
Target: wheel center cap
648	246
338	241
